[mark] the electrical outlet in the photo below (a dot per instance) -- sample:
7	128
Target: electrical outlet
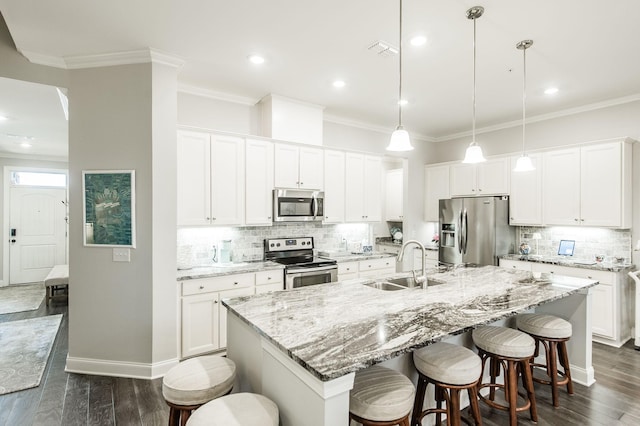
121	255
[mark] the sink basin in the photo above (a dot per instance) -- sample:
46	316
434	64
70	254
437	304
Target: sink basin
409	282
385	286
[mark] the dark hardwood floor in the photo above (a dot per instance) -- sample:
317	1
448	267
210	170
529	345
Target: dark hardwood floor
75	399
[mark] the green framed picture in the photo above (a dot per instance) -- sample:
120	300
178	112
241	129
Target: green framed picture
109	208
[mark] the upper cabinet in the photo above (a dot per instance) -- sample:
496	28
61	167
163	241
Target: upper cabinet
525	200
298	166
210	179
436	189
588	185
488	178
259	182
363	177
393	195
334	186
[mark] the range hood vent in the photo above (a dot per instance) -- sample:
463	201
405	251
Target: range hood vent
291	120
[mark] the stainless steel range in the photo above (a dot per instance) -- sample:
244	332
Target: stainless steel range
302	268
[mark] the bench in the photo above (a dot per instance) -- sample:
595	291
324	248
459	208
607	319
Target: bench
56	282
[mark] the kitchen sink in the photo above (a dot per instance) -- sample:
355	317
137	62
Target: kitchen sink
409	282
385	286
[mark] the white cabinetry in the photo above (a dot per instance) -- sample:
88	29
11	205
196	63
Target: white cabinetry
373	268
268	281
259	182
430	259
347	270
363	177
525	201
210	179
298	166
588	186
488	178
393	195
334	186
436	189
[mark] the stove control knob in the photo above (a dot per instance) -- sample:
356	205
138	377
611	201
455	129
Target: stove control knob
278	245
303	243
272	244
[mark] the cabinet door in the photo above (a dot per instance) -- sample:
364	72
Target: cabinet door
248	291
436	189
227	180
354	193
199	324
393	195
259	182
462	180
310	168
525	200
515	264
492	177
286	165
334	186
561	183
602	318
601	185
373	181
193	180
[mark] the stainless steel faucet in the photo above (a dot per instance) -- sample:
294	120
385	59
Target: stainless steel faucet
422	279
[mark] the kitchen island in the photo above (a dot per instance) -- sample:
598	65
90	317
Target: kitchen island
302	348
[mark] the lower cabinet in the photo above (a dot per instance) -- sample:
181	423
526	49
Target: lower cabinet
366	268
204	318
610	319
430	258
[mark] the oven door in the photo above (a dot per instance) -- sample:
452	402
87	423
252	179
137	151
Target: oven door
302	277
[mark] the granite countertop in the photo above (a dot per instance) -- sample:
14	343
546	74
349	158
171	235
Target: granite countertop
572	263
429	246
355	257
229	269
337	328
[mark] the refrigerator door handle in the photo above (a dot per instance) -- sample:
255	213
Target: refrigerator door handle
466	231
460	232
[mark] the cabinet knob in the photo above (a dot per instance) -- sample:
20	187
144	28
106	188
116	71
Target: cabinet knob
235	283
473	190
369	266
208	218
581	220
215	301
213	218
511	218
268	278
201	287
576	219
269	217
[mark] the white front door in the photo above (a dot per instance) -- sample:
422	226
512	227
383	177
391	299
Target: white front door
37	237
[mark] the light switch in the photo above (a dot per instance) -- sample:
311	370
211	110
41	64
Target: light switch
121	255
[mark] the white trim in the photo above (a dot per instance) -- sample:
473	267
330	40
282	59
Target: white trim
325	390
42	59
373	127
33	157
271	96
212	94
136	370
104	59
159	57
582	376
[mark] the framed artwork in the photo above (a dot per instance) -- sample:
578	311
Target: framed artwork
109	208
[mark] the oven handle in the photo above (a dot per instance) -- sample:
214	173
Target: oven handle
314	203
290	271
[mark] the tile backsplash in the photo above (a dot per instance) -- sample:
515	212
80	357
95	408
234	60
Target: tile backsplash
589	241
247	242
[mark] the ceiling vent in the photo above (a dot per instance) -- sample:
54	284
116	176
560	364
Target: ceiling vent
383	48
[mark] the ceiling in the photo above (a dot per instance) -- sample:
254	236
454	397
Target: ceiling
582	47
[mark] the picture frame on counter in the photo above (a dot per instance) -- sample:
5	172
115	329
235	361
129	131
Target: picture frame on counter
108	208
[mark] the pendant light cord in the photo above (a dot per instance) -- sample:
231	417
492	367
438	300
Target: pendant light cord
473	130
400	74
524	93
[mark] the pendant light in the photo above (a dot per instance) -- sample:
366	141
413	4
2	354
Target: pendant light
400	140
524	163
474	152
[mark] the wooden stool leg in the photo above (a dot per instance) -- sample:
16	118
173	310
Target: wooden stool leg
417	405
475	407
494	367
564	361
174	417
527	380
552	363
439	397
511	392
453	407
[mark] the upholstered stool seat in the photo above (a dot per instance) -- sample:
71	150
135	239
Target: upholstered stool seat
238	409
450	368
194	382
508	350
381	397
553	333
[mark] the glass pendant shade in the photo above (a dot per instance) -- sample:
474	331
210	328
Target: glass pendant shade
524	164
473	154
400	140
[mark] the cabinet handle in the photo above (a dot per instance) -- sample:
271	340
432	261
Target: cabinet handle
301	183
269	217
479	190
235	283
576	219
473	190
201	287
213	218
208	218
511	218
215	301
589	276
268	278
581	220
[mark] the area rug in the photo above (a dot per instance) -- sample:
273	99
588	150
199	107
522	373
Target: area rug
19	298
26	345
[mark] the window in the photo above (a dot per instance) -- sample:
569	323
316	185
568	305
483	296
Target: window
52	179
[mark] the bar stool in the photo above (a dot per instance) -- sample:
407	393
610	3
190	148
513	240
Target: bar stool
195	382
238	409
507	349
450	368
553	332
381	397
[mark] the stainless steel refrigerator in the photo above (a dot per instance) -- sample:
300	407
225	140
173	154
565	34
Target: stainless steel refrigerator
475	230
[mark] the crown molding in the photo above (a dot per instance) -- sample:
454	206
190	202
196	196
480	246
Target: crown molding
18	156
220	96
42	59
544	117
104	59
368	126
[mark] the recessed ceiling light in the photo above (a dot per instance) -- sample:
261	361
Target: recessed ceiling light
551	91
25	145
3	118
403	102
418	41
256	59
339	84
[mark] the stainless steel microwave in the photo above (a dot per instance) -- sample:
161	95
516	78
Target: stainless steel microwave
298	205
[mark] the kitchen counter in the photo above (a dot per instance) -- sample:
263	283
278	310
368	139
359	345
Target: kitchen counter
228	269
354	257
301	348
429	246
573	263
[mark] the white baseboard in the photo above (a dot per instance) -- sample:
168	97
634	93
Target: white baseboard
136	370
582	376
